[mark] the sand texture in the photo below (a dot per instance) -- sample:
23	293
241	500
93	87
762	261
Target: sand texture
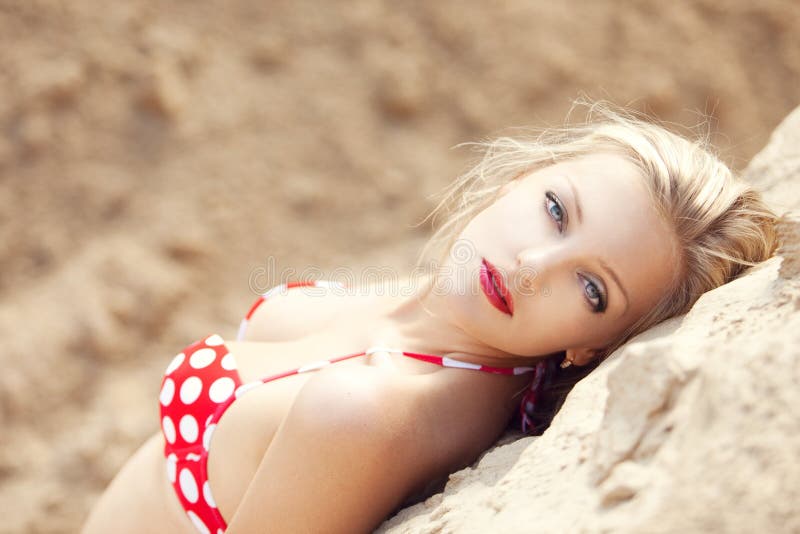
163	162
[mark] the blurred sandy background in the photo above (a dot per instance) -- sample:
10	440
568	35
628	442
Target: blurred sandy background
154	155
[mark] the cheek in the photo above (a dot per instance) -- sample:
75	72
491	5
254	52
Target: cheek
552	316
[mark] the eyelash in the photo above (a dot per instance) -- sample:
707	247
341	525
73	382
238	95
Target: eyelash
549	196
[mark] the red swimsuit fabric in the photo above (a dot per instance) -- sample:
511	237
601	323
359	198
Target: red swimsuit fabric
198	386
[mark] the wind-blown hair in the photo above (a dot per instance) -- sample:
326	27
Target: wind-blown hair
722	224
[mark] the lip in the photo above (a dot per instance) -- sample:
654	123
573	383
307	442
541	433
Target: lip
488	273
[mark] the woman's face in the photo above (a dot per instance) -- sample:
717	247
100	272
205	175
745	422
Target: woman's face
581	251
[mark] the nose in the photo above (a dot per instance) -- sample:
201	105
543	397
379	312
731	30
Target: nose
534	265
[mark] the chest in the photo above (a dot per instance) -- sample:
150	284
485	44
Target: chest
300	332
248	426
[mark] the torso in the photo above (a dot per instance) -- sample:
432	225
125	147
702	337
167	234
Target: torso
323	336
246	429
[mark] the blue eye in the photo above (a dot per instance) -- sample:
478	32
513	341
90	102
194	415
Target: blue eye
596	298
555	209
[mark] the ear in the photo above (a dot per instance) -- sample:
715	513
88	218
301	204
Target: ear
582	356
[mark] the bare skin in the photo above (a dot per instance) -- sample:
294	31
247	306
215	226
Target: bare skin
239	444
452	414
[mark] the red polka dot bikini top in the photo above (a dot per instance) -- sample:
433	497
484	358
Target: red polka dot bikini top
202	382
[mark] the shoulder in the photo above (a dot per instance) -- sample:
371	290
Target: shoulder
437	421
372	401
378	422
349	450
357	443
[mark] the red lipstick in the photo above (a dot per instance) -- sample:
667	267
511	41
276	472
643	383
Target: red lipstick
495	288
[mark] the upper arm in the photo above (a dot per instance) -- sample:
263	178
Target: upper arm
347	454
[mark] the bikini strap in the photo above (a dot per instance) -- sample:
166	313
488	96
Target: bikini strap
443	361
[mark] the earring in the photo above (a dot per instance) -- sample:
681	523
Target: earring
566	362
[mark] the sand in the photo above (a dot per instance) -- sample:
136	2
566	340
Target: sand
156	156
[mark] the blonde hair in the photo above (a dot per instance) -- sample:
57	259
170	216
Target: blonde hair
722	224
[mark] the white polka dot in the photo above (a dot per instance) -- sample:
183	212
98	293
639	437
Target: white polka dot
208	420
207	436
214	340
167	392
228	362
221	389
244	388
207	495
175	363
188	428
169	429
202	358
198	523
192	457
188	485
172	463
191	389
219	531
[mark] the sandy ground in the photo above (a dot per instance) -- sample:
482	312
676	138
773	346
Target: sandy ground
154	156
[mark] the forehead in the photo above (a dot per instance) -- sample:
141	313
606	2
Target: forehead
620	224
603	175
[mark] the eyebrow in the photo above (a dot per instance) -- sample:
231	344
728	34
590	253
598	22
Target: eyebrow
575	197
609	271
614	277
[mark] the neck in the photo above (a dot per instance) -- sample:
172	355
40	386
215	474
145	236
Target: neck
419	321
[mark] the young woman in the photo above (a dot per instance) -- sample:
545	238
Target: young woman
338	404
